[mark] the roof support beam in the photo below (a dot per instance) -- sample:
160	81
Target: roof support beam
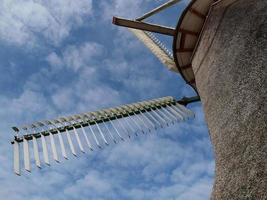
143	26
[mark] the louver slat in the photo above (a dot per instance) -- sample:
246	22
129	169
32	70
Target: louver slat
104	125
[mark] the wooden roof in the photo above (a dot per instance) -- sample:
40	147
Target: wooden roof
187	34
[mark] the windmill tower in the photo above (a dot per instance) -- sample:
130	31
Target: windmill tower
219	48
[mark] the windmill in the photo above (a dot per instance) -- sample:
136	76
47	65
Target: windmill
219	48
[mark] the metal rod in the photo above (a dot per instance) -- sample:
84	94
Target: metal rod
187	100
158	9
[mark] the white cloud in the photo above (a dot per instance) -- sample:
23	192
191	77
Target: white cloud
174	164
54	60
24	22
76	57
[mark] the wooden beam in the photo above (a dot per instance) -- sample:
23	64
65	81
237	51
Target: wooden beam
143	26
186	66
181	30
185	50
197	13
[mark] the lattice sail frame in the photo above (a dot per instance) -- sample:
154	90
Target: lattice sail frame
156	47
137	118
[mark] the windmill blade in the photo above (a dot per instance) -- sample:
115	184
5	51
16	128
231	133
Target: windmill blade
156	47
113	124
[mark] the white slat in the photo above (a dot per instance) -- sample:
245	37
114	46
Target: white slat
102	135
185	110
123	127
78	140
158	50
26	154
62	146
86	138
116	130
168	119
53	147
45	153
136	123
36	152
16	158
131	127
70	143
170	114
181	117
148	120
143	122
114	140
154	119
96	140
185	116
162	120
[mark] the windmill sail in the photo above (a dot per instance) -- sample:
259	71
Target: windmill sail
93	130
156	47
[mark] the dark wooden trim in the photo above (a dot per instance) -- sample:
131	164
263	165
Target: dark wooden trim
183	36
174	46
181	30
185	50
192	81
197	13
186	66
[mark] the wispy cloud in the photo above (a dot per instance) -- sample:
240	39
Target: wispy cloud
80	74
24	22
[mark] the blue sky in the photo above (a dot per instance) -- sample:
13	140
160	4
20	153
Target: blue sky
62	57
